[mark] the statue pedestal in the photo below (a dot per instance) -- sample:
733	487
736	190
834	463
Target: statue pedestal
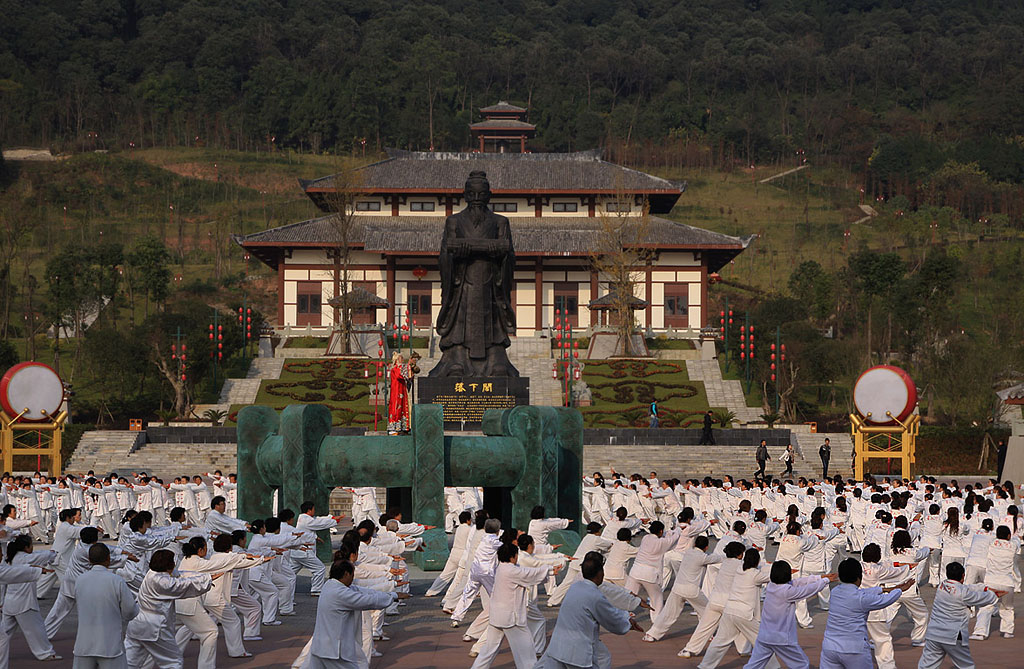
466	398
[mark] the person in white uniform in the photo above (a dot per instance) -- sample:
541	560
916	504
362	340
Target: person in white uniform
510	595
741	616
951	612
451	566
21	607
777	635
686	588
593	541
25	575
576	641
845	645
106	605
149	637
309	523
649	563
481	572
1000	573
337	634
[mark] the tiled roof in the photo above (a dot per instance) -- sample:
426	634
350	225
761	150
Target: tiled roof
509	173
502	106
574	236
608	301
502	123
1013	395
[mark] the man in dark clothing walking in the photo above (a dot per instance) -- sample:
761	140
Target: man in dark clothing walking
1000	459
706	438
761	455
825	453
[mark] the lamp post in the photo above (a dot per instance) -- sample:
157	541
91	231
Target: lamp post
567	356
245	322
216	334
725	321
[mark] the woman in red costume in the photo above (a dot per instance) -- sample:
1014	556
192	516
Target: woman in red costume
399	399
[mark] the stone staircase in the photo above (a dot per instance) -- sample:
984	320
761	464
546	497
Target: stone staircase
172	459
244	391
532	357
722	393
686	461
102	451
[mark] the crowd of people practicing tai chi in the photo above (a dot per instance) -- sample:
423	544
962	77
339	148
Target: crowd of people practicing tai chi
860	549
177	565
151	566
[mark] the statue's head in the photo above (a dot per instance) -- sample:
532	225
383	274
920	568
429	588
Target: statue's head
478	189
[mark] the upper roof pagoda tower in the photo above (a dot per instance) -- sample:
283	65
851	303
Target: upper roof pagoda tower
503	129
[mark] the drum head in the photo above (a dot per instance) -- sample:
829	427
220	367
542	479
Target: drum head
883	393
32	386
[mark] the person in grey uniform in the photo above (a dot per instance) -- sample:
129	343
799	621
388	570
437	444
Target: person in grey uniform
947	626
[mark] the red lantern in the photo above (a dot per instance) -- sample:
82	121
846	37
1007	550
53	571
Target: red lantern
248	311
730	321
554	372
576	374
183	357
743	328
743	337
751	339
751	328
722	313
182	377
773	346
730	313
742	346
783	357
182	348
751	353
576	354
742	355
220	328
211	336
220	356
366	373
211	326
772	356
773	366
773	377
220	345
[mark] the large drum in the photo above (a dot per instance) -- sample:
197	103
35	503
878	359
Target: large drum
884	393
34	388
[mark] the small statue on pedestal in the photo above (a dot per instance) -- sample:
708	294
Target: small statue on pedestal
400	377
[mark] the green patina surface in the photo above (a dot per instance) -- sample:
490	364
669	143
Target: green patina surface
534	451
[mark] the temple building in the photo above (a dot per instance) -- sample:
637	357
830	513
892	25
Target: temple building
555	203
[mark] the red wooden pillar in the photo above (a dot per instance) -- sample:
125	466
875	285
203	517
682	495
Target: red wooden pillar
390	276
539	300
650	293
593	296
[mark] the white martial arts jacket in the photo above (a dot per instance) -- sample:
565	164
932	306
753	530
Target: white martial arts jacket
157	595
591	542
105	603
621	553
650	559
1001	565
690	571
223	523
337	634
744	600
539	528
511	593
78	563
584	611
309	525
951	611
219	593
21	597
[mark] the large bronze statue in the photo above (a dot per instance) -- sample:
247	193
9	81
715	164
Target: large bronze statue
477	264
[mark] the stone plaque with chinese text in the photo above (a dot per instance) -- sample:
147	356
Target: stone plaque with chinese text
466	398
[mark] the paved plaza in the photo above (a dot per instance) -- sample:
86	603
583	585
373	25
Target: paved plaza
421	637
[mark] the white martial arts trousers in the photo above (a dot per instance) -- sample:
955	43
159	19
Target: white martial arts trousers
232	626
732	630
654	592
451	567
671	611
881	636
537	624
571	576
792	655
317	571
519	641
61	609
474	585
45	583
934	652
94	662
163	653
284	581
32	627
934	559
267	592
1005	607
249	608
454	592
202	625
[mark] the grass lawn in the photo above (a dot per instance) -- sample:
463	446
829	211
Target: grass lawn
337	384
623	389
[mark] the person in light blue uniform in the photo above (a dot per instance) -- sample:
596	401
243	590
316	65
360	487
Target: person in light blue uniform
951	611
845	645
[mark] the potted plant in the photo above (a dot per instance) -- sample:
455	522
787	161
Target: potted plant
166	415
215	416
723	417
771	418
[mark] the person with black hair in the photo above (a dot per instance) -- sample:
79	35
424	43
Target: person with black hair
576	641
261	577
309	524
21	606
689	571
618	556
535	620
197	614
65	537
337	633
931	538
451	567
741	614
539	528
1000	572
592	542
481	573
720	593
510	596
217	520
875	573
846	634
950	616
140	540
106	604
150	635
792	548
977	553
649	563
902	551
77	565
243	597
777	634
